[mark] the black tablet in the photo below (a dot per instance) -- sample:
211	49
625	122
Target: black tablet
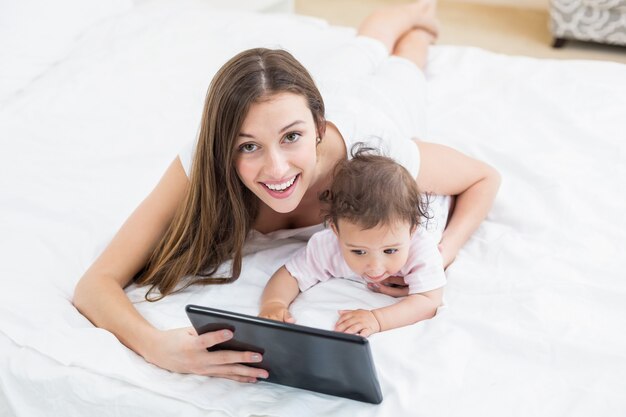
318	360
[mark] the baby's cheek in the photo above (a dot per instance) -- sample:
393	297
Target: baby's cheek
352	264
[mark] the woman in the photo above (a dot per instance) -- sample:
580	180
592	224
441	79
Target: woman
264	153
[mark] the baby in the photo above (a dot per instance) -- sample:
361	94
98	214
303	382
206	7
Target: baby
374	211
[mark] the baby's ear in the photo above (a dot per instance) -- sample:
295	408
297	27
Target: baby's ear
334	227
413	230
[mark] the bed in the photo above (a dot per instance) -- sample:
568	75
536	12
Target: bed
534	318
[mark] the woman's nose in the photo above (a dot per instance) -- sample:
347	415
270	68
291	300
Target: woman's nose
276	164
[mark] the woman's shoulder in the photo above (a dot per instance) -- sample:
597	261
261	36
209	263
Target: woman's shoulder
334	145
363	124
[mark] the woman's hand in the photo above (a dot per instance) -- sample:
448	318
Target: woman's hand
184	351
448	254
362	322
276	311
393	286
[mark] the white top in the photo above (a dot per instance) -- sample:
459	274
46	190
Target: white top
375	98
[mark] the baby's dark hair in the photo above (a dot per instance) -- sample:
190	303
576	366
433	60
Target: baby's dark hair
371	190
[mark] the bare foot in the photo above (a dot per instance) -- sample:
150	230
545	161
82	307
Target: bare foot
427	17
428	8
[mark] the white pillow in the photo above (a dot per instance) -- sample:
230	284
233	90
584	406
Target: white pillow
35	34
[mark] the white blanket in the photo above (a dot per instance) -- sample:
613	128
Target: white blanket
534	318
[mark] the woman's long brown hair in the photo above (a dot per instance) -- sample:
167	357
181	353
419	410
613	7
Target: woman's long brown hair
211	225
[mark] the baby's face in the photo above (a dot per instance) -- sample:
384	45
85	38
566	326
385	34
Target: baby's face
376	253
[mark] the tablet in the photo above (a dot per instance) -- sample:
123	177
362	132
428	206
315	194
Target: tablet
318	360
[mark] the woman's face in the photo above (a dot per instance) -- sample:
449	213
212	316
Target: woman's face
275	155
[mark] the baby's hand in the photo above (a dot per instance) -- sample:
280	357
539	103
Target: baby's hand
361	322
276	311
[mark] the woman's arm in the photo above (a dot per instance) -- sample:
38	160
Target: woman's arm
100	294
446	171
278	295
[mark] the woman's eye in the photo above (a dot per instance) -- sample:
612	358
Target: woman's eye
390	251
247	147
358	252
292	137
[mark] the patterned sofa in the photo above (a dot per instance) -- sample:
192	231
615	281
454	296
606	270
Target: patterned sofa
588	20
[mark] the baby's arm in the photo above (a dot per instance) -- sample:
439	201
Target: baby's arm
414	308
279	293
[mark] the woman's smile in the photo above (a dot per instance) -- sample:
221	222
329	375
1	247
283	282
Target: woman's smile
281	189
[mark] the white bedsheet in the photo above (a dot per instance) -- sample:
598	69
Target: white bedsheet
534	318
